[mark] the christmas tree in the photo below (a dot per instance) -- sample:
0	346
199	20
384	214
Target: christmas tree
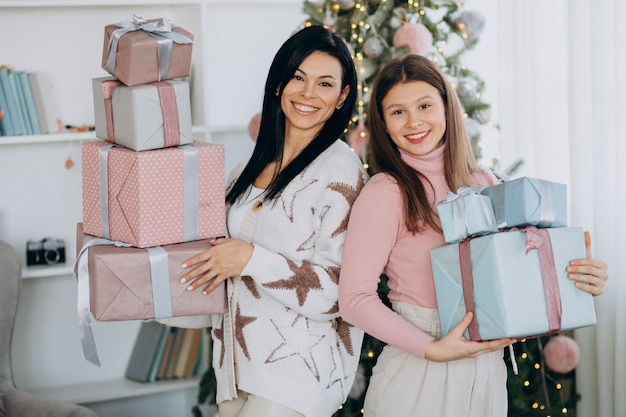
544	383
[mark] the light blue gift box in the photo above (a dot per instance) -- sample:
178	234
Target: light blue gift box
466	214
528	201
508	288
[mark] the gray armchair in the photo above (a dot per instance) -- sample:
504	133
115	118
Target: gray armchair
13	402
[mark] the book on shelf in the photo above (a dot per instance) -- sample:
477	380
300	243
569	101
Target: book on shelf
43	97
29	103
183	355
6	127
12	104
145	353
176	350
20	99
167	354
164	353
195	355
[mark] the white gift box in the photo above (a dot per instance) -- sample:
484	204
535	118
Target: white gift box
145	116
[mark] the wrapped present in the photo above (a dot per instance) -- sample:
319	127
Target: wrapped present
528	202
129	283
515	283
466	213
143	117
141	51
154	197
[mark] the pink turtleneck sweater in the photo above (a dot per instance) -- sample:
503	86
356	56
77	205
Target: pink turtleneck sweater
378	242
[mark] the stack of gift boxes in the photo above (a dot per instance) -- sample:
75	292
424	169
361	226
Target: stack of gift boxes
507	249
152	196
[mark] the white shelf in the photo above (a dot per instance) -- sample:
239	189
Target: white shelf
45	271
47	138
113	390
64	136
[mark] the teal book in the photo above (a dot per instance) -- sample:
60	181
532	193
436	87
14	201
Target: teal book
159	355
149	339
20	107
6	125
31	111
11	96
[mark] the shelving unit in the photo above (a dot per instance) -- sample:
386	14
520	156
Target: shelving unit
39	197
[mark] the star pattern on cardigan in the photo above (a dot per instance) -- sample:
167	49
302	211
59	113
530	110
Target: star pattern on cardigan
303	280
342	328
251	286
336	376
218	333
242	321
297	182
349	193
292	344
333	274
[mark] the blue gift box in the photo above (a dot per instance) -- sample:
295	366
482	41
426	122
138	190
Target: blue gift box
508	285
466	214
528	201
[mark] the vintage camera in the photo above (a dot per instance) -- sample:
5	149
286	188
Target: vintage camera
45	252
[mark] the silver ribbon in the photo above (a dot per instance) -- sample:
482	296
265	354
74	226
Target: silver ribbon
103	174
458	211
160	277
81	275
161	294
191	192
161	30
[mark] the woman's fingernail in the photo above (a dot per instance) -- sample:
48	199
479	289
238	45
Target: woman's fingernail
182	280
204	292
190	288
183	266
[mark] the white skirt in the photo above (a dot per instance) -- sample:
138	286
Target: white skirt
405	385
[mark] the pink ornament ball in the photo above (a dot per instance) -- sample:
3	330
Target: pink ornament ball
414	35
253	126
561	354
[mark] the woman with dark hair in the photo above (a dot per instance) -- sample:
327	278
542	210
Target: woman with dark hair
420	151
281	348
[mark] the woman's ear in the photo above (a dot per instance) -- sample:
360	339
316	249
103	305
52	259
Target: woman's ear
342	97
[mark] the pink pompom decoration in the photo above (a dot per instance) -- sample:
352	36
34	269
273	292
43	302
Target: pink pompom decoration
253	126
414	35
561	354
358	139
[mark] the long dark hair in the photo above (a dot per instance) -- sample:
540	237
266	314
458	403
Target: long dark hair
271	137
459	161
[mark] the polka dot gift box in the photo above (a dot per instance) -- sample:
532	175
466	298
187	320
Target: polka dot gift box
154	197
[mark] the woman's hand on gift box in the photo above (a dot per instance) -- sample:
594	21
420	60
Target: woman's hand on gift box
224	259
453	345
588	274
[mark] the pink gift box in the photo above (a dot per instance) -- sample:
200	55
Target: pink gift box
155	197
121	282
136	58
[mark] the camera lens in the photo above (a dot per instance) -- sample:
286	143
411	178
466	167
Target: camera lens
52	256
